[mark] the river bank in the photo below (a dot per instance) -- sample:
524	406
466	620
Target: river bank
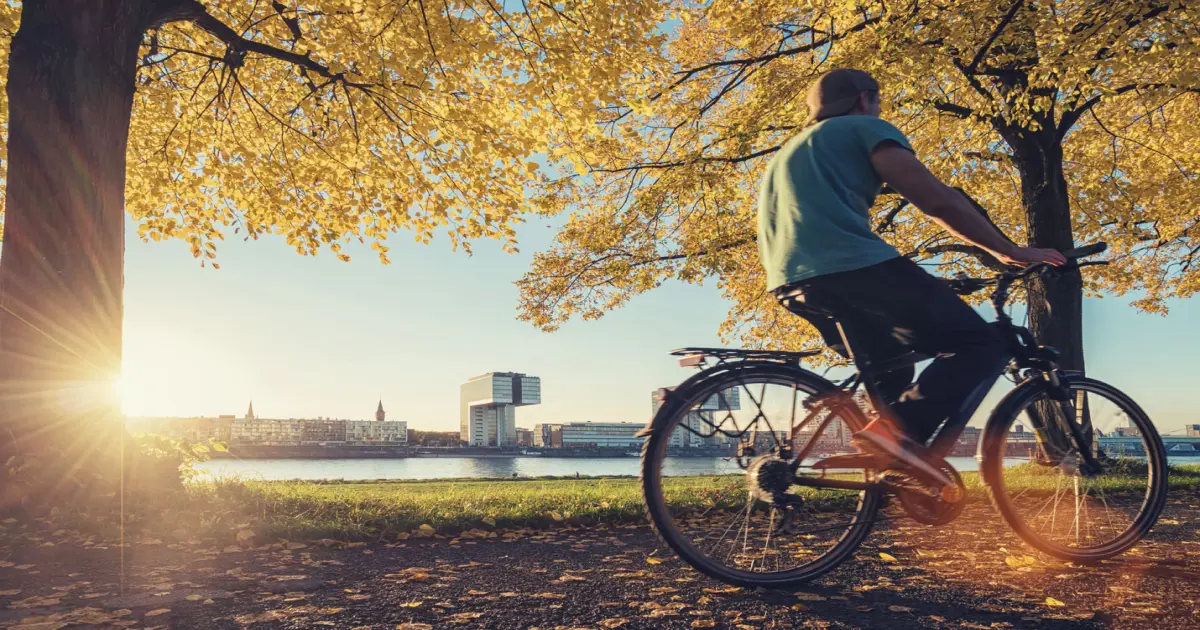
302	451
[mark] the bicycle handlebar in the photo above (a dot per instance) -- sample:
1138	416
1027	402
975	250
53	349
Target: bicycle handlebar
967	286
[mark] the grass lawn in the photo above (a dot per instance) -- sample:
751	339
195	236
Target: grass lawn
384	509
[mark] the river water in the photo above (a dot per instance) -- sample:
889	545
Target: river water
458	467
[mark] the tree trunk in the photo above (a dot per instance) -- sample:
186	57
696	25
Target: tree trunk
1055	301
70	89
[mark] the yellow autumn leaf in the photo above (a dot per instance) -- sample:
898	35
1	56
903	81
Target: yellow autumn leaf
157	611
887	557
1050	601
556	516
426	528
653	561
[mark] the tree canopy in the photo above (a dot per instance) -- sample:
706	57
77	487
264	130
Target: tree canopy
327	120
1063	118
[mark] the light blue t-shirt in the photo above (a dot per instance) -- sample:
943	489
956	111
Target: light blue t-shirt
815	197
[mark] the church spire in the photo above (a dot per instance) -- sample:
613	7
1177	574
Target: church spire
380	414
250	411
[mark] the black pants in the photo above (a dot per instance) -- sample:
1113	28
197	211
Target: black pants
896	307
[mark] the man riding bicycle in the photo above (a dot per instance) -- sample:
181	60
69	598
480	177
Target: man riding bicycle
821	256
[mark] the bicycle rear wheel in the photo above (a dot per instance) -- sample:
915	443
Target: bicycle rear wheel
1049	497
723	522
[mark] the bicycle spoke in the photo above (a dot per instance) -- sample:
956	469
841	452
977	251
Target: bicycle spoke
739	528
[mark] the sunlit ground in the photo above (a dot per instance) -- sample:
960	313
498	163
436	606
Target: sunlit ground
544	553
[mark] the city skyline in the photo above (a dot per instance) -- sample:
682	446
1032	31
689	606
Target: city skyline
314	337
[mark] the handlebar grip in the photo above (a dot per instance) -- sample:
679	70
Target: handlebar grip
1086	250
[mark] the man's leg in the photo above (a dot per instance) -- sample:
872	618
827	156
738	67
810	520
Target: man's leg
926	316
873	333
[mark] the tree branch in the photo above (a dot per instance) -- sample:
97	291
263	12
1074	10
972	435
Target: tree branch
1071	117
699	160
293	23
1008	17
194	12
787	52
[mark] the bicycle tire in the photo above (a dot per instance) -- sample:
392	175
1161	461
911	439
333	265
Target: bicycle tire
993	461
654	450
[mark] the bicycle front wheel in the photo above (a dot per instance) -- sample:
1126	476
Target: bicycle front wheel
1042	485
726	521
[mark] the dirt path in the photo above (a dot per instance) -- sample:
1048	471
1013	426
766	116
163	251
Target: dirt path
954	577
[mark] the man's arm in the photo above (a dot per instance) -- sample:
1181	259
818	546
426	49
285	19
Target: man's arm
901	170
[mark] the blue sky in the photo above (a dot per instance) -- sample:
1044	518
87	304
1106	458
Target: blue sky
311	336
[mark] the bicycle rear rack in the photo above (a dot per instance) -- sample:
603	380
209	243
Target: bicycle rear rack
695	357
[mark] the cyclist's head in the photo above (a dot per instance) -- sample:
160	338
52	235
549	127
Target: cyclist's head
841	92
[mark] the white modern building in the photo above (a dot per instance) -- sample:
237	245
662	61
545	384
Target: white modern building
487	414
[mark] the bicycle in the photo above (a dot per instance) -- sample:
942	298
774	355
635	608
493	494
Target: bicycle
809	516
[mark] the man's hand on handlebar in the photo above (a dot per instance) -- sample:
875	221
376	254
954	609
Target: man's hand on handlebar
1023	256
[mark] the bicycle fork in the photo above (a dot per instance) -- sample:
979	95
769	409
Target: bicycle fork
1071	422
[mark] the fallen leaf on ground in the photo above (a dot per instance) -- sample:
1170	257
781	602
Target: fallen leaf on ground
1050	601
157	611
899	609
1017	562
194	598
704	623
887	557
413	604
612	623
653	561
